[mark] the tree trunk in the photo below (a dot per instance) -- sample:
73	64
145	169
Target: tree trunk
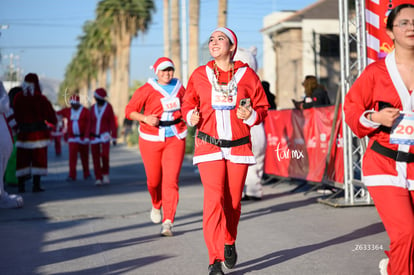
175	37
167	49
194	9
119	91
102	77
83	95
123	77
222	13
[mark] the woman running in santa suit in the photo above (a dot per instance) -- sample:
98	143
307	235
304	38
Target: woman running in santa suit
162	135
380	105
224	98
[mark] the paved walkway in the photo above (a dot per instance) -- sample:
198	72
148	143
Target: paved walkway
77	228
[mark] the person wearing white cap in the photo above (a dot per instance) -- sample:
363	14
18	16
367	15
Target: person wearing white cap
32	110
224	99
6	147
78	129
162	134
253	188
102	132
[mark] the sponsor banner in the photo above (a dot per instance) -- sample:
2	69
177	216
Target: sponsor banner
298	144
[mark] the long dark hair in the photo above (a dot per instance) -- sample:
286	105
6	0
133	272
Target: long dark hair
394	12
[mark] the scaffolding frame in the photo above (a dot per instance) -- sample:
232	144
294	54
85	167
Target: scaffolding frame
352	32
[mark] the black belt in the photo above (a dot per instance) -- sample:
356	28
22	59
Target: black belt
32	127
395	155
223	142
169	123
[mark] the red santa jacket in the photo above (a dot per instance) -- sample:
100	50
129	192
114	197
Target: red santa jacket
31	113
224	124
380	82
150	97
78	127
102	123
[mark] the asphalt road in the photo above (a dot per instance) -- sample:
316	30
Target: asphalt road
78	228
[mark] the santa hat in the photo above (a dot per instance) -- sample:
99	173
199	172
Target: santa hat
231	35
162	63
100	93
74	99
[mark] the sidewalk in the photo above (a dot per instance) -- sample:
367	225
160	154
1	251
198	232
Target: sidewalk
77	228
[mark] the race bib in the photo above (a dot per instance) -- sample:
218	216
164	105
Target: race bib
170	104
402	131
221	101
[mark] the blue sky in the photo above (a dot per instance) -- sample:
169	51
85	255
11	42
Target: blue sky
42	35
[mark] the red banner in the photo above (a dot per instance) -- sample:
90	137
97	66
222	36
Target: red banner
298	144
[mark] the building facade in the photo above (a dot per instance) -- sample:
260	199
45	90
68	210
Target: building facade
300	43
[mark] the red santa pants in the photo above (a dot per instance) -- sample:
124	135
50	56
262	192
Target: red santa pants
58	145
83	150
31	162
162	162
395	205
100	157
223	183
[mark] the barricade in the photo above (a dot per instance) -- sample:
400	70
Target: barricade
298	143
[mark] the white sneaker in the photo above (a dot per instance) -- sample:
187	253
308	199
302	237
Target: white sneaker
383	264
106	179
166	228
98	182
155	215
10	201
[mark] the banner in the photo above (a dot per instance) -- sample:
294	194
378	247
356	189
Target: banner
378	42
298	144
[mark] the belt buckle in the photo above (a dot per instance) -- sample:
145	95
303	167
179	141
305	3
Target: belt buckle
402	156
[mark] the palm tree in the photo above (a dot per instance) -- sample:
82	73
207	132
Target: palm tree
127	18
193	34
101	48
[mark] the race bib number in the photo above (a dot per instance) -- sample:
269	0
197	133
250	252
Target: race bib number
221	101
402	131
170	104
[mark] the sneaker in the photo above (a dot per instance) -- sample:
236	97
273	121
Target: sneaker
215	269
230	255
166	228
70	179
106	179
10	201
383	264
98	182
155	215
